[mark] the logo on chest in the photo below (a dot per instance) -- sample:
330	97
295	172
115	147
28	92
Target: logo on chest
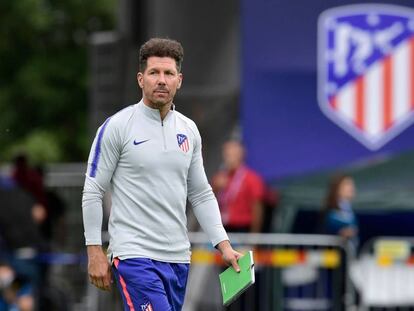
140	142
182	141
146	307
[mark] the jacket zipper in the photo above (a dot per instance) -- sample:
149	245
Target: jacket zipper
163	135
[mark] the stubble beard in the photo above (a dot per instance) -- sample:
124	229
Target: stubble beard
160	104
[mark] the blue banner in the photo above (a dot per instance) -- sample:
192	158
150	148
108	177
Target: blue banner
317	97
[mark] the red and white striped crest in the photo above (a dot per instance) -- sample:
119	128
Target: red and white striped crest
182	141
366	70
147	307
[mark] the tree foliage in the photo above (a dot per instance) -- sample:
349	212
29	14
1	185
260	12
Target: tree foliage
44	75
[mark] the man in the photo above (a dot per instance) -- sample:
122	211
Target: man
150	156
240	191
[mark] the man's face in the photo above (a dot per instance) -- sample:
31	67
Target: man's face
233	154
160	81
346	190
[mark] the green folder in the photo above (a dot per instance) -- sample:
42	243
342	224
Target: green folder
233	284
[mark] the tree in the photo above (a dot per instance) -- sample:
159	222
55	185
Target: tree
44	75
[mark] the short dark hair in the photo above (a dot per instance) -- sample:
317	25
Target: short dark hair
160	47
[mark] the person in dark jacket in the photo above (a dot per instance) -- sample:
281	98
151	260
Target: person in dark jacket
339	217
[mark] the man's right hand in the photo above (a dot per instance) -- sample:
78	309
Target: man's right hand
99	270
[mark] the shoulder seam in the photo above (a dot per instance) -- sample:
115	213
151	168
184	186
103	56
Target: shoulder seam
191	124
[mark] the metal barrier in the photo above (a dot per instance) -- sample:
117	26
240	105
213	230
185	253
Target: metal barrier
384	274
293	272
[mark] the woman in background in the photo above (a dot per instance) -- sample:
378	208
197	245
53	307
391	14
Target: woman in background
339	218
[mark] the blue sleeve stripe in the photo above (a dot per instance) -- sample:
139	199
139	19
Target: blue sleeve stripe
94	165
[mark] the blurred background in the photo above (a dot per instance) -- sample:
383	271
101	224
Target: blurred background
319	95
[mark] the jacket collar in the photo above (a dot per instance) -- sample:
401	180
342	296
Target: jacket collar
153	113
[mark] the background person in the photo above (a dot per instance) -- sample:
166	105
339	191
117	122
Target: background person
150	156
241	194
16	292
20	275
339	217
240	191
31	181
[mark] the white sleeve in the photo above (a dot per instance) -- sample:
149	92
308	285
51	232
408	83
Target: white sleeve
202	198
102	162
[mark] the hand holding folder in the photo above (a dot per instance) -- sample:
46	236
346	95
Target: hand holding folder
233	284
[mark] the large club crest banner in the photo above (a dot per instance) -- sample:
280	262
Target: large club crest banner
366	70
325	85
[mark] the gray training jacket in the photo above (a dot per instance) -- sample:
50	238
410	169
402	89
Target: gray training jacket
151	167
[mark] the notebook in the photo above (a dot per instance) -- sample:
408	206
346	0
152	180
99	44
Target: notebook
233	284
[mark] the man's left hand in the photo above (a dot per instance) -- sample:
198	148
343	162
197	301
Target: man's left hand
229	255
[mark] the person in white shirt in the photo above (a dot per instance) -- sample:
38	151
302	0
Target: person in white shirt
149	156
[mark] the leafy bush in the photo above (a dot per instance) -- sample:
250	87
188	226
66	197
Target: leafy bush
44	74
